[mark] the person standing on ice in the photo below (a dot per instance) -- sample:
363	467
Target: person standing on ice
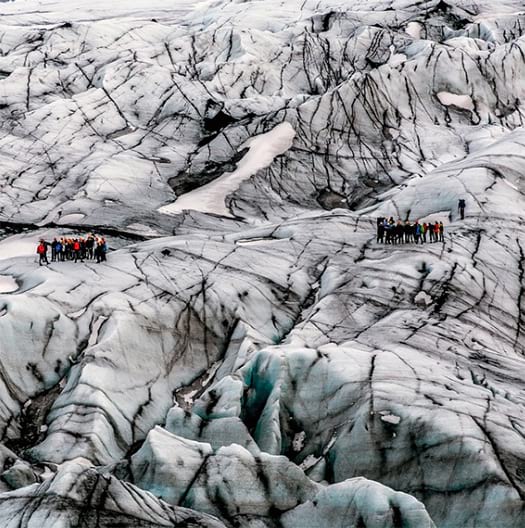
389	230
54	250
461	208
424	229
408	230
417	232
77	251
400	230
435	228
59	249
380	229
90	246
100	250
42	253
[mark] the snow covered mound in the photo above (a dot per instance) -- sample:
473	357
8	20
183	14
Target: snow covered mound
250	354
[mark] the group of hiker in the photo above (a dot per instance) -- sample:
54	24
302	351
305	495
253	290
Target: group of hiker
391	232
73	249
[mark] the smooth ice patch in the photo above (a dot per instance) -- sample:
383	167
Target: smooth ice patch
143	230
18	246
7	284
491	14
263	149
441	216
24	244
396	59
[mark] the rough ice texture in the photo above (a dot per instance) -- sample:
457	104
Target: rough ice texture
78	495
254	358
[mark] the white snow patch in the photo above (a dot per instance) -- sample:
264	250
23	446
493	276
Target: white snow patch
211	373
7	284
391	419
309	461
93	338
210	198
298	441
47	474
77	314
414	30
71	218
189	397
423	299
460	101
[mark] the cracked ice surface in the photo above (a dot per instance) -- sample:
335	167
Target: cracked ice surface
255	358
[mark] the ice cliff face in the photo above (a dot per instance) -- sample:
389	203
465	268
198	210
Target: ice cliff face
249	355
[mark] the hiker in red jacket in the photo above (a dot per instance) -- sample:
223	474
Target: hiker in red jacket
42	253
436	231
77	250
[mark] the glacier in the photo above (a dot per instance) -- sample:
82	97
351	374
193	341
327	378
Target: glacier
250	355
